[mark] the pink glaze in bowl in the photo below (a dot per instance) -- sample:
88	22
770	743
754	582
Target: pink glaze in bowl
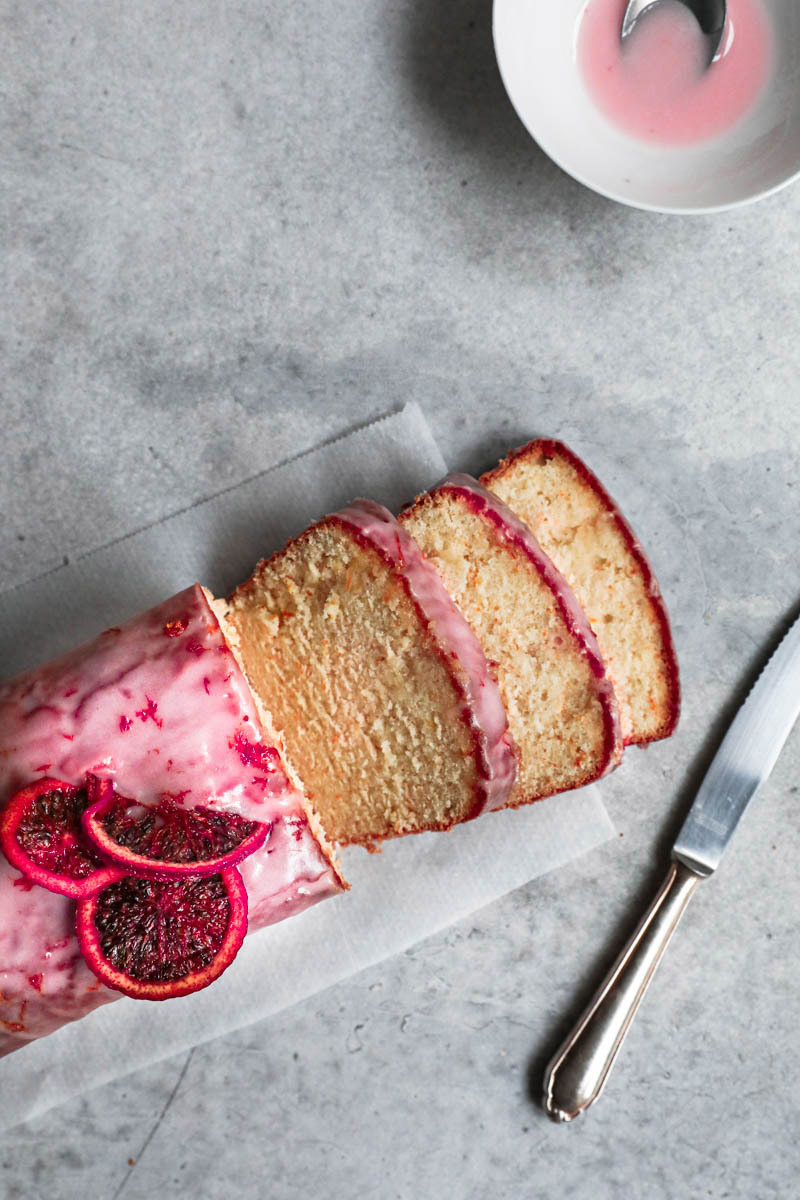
537	43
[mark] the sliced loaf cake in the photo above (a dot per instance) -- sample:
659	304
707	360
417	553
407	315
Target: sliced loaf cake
375	681
583	531
561	707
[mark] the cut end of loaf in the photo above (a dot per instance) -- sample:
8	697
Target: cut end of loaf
584	532
343	638
561	707
220	609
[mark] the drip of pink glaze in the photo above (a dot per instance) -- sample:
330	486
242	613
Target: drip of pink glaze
483	708
658	85
192	751
516	533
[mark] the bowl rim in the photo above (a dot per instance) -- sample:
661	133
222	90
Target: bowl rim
644	206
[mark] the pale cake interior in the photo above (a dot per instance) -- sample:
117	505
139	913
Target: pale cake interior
368	711
549	690
580	535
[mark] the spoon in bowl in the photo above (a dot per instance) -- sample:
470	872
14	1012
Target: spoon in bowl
712	17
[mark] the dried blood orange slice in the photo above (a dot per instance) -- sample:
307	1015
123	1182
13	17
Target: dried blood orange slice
41	835
167	840
159	938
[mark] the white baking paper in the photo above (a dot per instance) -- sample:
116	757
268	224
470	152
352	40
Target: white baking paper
415	887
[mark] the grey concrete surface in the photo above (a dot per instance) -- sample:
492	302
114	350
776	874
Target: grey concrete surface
231	232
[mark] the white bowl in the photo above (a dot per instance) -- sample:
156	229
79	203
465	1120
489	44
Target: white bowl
535	42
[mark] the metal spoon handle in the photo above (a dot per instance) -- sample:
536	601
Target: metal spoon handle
581	1065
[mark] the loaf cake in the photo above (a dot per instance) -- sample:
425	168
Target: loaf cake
561	708
582	530
160	705
340	695
374	680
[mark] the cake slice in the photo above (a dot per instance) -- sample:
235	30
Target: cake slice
374	680
561	707
583	531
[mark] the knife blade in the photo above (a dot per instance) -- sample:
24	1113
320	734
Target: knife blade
744	760
578	1071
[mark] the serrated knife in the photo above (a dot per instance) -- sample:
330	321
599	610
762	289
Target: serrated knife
580	1067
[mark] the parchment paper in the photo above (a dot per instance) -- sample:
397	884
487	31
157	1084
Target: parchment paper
417	886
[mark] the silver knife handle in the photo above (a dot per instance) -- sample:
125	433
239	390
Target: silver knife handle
581	1065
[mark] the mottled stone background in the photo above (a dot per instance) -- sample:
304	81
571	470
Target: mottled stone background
233	231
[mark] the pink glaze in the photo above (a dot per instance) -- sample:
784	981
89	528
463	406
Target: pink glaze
516	533
483	708
658	85
160	705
